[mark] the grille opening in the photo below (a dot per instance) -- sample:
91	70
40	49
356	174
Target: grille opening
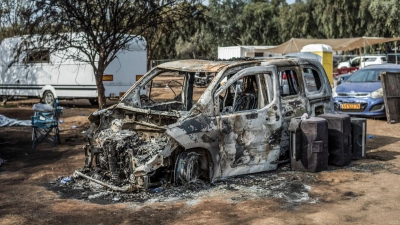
377	107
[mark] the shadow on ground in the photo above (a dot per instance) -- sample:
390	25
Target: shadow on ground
379	141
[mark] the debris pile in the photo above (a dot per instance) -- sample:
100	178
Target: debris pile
284	185
290	187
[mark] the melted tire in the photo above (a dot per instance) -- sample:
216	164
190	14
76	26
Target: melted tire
187	168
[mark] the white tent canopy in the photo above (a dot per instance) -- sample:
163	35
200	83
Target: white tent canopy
340	44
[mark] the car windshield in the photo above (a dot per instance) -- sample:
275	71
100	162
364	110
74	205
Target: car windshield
367	75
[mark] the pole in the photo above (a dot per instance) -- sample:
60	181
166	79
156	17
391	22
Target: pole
362	59
395	51
364	46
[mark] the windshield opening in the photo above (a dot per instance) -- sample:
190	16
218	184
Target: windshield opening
365	76
171	90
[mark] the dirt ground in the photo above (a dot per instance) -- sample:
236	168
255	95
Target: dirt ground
363	193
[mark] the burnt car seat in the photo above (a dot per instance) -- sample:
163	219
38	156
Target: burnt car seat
247	100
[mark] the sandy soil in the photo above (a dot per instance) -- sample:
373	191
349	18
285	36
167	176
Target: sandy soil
363	193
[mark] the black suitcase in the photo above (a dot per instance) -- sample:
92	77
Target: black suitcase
308	144
339	138
358	132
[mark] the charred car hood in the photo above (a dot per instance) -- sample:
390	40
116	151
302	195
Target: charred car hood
95	116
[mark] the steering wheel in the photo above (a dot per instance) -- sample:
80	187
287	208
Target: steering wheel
171	87
145	99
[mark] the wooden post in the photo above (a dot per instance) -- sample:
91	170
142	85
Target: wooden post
395	51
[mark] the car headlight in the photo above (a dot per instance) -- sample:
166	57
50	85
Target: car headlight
377	94
334	94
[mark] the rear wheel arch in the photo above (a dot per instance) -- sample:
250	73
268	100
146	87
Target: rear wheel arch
48	88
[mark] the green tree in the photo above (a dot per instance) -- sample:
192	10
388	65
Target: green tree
385	18
296	21
221	26
161	40
337	18
259	22
105	27
13	17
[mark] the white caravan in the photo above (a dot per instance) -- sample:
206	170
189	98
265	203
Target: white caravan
39	72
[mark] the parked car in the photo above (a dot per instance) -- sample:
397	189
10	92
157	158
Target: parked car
361	94
341	58
175	134
365	61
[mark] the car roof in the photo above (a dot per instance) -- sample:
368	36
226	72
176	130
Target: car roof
382	66
193	65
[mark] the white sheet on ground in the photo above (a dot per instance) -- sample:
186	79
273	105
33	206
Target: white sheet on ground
8	122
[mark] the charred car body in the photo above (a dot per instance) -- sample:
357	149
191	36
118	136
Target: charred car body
179	132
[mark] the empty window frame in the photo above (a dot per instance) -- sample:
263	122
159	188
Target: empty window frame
289	84
312	79
165	87
247	93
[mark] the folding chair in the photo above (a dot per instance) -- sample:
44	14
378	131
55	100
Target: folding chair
45	126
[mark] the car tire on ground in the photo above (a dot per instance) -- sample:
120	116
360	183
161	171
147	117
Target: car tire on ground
94	101
187	168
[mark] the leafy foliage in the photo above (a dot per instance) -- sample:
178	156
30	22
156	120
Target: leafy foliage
187	29
98	29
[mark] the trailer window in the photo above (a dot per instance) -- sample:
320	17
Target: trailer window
38	56
259	54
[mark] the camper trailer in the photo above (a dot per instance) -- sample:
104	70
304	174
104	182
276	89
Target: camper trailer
31	71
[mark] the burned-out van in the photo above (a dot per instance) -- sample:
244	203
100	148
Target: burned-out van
178	132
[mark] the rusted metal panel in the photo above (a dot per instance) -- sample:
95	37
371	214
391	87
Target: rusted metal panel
197	65
391	95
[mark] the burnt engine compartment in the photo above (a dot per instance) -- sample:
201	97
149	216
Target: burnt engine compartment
120	141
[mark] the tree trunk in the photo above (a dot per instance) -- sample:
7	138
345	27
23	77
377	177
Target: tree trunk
149	56
99	82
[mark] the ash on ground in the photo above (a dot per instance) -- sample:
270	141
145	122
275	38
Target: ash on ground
290	187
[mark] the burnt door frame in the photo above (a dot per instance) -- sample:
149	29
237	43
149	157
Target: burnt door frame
294	105
319	101
249	140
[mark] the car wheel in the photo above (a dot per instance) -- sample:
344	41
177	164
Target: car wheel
94	101
48	98
187	168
